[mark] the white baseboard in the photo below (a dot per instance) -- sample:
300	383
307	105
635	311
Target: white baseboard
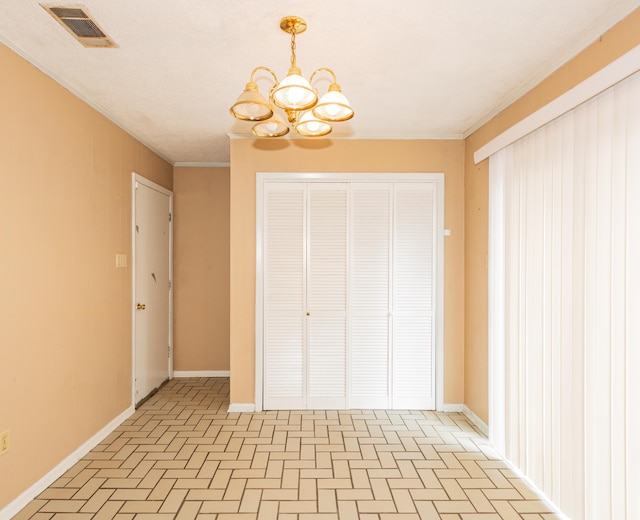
476	420
519	473
200	373
27	496
452	407
242	407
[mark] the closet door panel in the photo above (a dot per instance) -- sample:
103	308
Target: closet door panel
412	364
327	294
413	295
284	296
284	362
327	368
327	261
369	294
369	363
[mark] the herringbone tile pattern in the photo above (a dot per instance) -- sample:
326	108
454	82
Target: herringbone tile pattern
182	456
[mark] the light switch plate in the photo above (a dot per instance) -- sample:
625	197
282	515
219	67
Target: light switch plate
121	260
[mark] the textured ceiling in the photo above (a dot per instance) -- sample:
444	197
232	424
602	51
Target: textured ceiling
411	69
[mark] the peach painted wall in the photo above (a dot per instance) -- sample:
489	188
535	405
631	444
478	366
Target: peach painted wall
65	310
620	39
249	156
201	269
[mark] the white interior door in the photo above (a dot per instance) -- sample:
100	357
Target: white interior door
392	294
152	287
305	295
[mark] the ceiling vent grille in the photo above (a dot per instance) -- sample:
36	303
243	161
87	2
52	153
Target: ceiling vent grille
77	20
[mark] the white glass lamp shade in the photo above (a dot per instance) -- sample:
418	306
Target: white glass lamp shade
251	105
294	92
272	127
333	106
310	126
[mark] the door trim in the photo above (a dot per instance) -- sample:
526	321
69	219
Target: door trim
437	178
139	179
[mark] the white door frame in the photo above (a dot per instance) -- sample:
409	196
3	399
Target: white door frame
135	179
437	178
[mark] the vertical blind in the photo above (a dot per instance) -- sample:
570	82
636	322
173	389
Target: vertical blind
564	306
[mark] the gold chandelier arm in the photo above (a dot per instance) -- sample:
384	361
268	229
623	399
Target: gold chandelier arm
267	69
323	69
310	116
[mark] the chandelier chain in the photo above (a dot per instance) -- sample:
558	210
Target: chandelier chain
293	49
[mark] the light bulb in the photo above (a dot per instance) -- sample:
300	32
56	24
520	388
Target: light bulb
294	96
294	93
332	110
252	108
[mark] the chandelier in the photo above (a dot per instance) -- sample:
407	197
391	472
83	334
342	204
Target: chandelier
309	116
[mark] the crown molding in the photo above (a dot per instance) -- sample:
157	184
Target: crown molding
358	137
202	165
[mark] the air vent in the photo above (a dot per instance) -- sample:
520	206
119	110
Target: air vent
77	20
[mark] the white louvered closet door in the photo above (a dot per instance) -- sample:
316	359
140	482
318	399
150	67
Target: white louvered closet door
413	353
348	295
369	292
327	295
284	296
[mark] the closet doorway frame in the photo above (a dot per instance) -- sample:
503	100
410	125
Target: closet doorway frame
437	178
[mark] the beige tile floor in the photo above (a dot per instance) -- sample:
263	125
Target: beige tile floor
182	456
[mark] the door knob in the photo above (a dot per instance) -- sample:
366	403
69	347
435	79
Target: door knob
141	306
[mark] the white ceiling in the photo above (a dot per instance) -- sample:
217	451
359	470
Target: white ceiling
411	69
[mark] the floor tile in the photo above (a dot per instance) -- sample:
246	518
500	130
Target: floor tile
182	456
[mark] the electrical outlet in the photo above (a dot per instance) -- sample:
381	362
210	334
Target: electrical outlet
4	442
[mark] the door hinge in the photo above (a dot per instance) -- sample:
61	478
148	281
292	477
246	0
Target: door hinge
170	217
170	284
168	351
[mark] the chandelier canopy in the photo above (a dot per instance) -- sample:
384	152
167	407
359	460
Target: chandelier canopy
309	116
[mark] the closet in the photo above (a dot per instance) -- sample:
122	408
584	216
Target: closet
348	279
